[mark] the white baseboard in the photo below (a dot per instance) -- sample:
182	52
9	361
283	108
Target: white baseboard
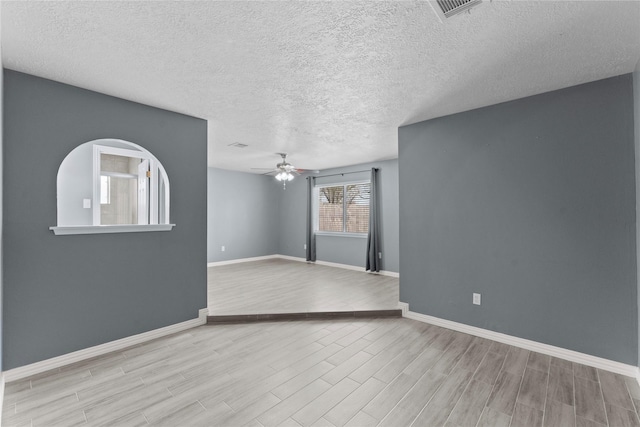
562	353
99	350
389	273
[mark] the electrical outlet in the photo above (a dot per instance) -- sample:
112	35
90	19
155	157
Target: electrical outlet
380	255
304	246
476	299
222	249
86	203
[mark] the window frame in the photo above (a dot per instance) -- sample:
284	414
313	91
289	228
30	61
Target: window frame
316	210
160	221
98	150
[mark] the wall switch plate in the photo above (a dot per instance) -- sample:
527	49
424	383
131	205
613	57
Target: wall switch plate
86	203
476	299
222	249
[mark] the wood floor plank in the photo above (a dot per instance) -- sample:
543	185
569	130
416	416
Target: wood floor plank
384	402
362	419
166	407
452	354
504	393
526	416
584	371
314	410
338	334
359	334
469	408
125	404
533	390
182	416
633	387
315	358
373	365
621	417
348	351
386	340
443	339
565	364
489	368
289	359
614	390
289	406
558	414
560	385
340	414
301	380
500	348
472	358
423	362
539	362
130	420
589	402
322	423
493	418
516	361
250	412
583	422
347	367
289	422
414	400
245	396
439	407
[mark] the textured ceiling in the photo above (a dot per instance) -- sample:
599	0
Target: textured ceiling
326	82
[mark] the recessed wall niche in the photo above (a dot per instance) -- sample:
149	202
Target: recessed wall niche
111	186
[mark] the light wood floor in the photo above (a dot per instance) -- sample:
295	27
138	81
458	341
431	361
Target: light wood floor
389	372
283	286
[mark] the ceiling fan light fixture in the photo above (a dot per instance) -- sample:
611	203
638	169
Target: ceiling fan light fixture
284	176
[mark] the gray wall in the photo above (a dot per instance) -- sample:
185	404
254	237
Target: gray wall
636	118
65	293
342	250
242	215
532	204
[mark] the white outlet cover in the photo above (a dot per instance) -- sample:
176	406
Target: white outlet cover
222	249
86	203
477	299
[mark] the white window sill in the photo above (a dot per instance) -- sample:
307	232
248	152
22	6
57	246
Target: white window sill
339	234
103	229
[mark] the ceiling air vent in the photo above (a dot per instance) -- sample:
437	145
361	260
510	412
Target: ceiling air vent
238	145
453	7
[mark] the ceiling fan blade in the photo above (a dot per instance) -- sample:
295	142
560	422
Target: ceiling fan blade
262	169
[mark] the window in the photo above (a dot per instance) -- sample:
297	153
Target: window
111	186
119	189
344	208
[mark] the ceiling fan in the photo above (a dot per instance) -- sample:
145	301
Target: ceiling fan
284	171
